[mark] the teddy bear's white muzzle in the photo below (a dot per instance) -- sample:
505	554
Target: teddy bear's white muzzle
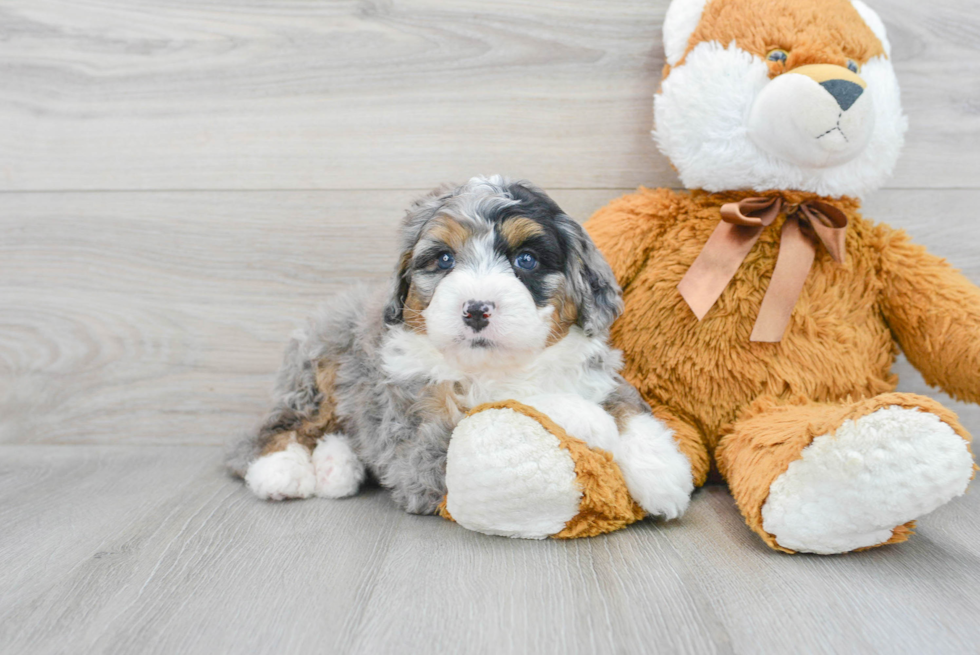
813	119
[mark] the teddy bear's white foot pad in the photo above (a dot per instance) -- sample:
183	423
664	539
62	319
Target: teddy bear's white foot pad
284	474
508	475
850	489
339	473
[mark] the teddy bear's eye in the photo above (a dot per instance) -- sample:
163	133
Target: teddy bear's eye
852	66
778	55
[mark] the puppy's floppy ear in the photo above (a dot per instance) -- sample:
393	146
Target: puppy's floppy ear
594	287
417	215
398	290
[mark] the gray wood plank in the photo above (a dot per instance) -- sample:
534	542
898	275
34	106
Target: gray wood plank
495	595
899	599
60	505
211	570
263	94
160	317
116	549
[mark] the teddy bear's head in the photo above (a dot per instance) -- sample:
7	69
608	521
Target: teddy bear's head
778	94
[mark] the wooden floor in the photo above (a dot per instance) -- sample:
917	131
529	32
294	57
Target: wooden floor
182	181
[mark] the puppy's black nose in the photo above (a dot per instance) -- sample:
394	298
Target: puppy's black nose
476	314
845	92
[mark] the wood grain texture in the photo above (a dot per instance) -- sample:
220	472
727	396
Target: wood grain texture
153	550
181	182
337	94
160	318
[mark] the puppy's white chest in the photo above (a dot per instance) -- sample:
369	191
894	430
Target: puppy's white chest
577	365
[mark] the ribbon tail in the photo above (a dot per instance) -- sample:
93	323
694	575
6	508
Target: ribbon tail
796	253
716	265
832	239
830	225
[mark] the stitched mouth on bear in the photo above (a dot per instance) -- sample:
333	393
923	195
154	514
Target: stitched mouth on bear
814	116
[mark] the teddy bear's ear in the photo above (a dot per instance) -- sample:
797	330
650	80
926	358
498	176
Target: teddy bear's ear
680	22
872	20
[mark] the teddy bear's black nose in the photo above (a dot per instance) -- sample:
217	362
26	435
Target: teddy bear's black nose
844	92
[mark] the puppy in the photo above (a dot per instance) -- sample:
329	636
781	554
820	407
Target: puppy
497	294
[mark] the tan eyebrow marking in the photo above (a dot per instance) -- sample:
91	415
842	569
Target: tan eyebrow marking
519	229
449	231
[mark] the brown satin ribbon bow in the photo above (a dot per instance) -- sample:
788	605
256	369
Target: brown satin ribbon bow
742	223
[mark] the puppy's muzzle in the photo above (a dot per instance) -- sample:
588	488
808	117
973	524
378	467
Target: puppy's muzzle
476	314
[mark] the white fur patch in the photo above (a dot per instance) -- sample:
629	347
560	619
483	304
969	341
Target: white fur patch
508	476
560	368
851	488
339	473
798	121
657	474
285	474
518	329
579	418
680	22
701	124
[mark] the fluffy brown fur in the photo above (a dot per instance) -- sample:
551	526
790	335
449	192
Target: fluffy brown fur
813	31
770	434
711	384
323	421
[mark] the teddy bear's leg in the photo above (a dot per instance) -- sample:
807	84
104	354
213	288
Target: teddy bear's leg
512	470
831	478
508	475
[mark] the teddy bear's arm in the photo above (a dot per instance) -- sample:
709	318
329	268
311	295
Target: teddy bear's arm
627	229
934	314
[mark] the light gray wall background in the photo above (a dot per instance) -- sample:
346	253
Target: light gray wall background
181	181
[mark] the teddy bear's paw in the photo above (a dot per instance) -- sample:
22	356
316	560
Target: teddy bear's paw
339	473
284	474
507	475
852	488
656	473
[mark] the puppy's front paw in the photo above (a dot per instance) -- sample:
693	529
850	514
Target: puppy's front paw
657	474
579	417
339	473
284	474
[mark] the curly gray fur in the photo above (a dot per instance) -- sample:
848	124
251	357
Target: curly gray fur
402	443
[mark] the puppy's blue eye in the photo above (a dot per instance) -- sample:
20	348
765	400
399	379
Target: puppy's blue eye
852	66
445	261
525	260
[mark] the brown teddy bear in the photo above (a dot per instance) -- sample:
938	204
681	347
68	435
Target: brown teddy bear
762	311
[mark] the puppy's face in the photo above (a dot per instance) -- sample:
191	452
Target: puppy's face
494	272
